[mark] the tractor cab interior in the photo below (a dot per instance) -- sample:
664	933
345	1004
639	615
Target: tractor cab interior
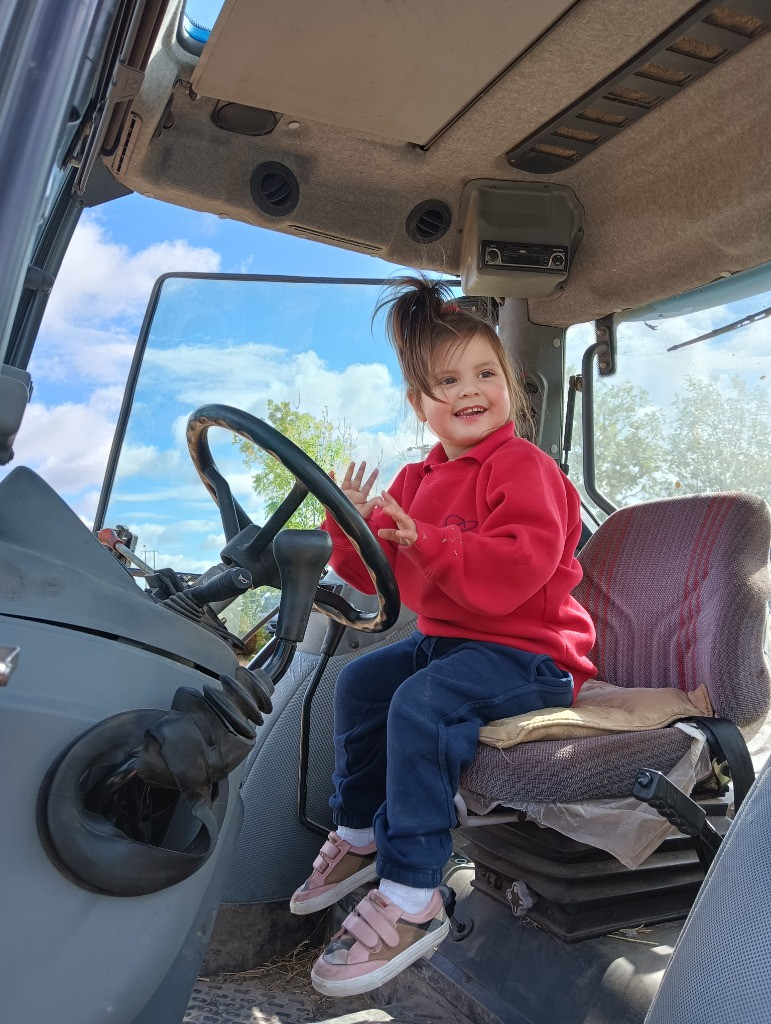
591	178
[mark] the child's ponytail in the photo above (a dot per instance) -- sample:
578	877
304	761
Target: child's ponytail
416	318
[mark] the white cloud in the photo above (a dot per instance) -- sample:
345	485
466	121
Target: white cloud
87	341
101	280
644	360
92	319
68	444
245	376
84	353
147	460
363	393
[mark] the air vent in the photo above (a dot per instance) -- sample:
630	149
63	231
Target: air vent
274	189
326	236
705	37
123	155
428	221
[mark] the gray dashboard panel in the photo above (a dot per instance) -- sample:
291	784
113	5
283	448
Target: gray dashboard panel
53	569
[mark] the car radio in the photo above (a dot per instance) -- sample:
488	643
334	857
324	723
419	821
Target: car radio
518	255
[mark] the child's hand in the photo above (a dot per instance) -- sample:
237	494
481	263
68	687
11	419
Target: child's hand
357	491
406	532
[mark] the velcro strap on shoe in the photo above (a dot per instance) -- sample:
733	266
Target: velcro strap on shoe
361	931
328	854
379	922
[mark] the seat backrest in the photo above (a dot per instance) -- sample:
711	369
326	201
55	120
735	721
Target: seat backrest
678	590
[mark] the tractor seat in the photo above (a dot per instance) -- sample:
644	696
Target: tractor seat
678	590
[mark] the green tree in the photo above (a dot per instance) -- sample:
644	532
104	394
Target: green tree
247	611
715	437
720	437
328	443
630	444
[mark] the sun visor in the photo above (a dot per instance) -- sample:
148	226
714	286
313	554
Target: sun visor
365	66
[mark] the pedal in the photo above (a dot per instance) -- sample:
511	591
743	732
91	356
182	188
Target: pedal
458	929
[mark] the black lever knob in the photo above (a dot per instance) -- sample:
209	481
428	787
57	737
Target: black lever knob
301	556
228	584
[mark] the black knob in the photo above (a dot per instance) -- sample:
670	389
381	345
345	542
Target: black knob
301	556
228	584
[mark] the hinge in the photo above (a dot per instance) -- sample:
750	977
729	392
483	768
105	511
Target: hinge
605	332
126	83
188	88
37	280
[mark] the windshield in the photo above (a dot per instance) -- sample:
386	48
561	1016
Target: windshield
688	409
303	355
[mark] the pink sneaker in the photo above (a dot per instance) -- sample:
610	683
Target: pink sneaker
377	941
339	869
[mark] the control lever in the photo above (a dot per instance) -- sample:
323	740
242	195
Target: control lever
301	556
111	539
655	789
192	602
227	584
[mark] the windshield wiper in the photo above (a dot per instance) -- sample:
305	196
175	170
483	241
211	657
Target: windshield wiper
744	322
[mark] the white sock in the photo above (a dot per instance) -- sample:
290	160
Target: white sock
356	836
407	897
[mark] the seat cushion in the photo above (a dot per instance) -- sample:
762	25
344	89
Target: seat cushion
566	771
600	709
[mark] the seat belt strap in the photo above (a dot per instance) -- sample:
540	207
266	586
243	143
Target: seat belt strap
726	743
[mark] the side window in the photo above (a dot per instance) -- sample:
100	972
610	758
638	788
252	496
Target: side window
688	409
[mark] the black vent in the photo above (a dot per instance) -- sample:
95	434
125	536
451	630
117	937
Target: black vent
274	189
428	221
695	44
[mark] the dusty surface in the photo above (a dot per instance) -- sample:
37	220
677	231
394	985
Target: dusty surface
280	992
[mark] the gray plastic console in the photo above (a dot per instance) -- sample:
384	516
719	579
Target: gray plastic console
92	646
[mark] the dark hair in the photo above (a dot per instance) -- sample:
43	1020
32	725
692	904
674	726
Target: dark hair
422	316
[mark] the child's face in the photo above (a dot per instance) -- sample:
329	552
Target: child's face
471	396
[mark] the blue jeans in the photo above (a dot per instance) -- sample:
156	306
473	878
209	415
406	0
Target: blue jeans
407	720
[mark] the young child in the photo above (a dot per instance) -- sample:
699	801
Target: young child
481	537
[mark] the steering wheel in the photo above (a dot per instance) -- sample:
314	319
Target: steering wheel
250	541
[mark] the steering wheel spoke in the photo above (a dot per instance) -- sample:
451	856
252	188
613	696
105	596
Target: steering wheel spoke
280	517
233	517
309	478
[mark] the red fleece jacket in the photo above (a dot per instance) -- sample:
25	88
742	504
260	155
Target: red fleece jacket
494	559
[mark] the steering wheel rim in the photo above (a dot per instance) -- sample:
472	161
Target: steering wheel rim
313	478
